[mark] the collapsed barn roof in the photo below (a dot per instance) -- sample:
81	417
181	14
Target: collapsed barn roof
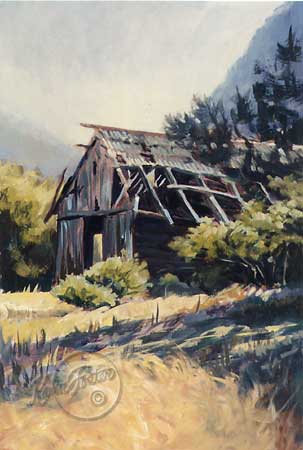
148	164
145	148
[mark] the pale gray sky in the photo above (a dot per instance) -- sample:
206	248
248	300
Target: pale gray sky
123	63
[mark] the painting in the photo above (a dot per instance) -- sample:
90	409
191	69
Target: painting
151	225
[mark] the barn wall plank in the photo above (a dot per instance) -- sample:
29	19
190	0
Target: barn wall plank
70	250
117	236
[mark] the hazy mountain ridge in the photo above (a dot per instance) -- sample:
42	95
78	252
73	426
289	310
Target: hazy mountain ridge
34	148
262	48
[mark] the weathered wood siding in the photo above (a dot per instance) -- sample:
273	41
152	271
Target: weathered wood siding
91	189
118	234
70	251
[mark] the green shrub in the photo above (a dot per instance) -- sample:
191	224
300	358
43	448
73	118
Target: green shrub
123	276
168	279
170	284
214	276
264	245
75	289
27	244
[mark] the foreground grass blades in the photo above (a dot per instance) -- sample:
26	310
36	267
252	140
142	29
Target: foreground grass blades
172	405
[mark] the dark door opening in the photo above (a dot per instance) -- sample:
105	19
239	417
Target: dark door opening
93	240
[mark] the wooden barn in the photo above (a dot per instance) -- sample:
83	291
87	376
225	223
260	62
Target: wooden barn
133	191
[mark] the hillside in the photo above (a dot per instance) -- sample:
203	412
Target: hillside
262	48
23	143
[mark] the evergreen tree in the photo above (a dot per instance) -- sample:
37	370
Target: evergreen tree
291	51
264	113
242	115
214	124
277	93
243	112
206	129
180	128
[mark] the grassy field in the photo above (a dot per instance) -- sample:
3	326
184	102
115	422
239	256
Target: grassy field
30	305
172	405
167	402
27	313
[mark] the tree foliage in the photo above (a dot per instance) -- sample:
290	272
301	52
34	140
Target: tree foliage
206	130
291	51
264	245
243	111
278	94
26	242
270	110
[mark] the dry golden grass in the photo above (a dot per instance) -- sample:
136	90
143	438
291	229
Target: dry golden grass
173	406
32	304
29	312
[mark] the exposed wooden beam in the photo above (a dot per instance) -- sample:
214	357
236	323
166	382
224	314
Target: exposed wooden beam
123	193
136	183
136	204
217	174
106	212
155	197
123	179
218	210
201	178
237	193
125	186
53	206
201	189
182	196
266	193
140	187
213	204
137	175
143	212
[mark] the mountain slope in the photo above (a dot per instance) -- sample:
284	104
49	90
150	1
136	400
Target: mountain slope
262	48
25	144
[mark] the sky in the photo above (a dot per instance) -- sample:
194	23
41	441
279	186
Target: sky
124	64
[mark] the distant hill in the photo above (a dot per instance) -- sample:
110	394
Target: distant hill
262	48
34	148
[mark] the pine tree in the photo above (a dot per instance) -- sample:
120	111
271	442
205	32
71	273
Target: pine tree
291	51
180	128
277	91
242	115
264	113
286	86
206	129
244	111
286	56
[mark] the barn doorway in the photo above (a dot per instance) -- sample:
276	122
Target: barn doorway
93	240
